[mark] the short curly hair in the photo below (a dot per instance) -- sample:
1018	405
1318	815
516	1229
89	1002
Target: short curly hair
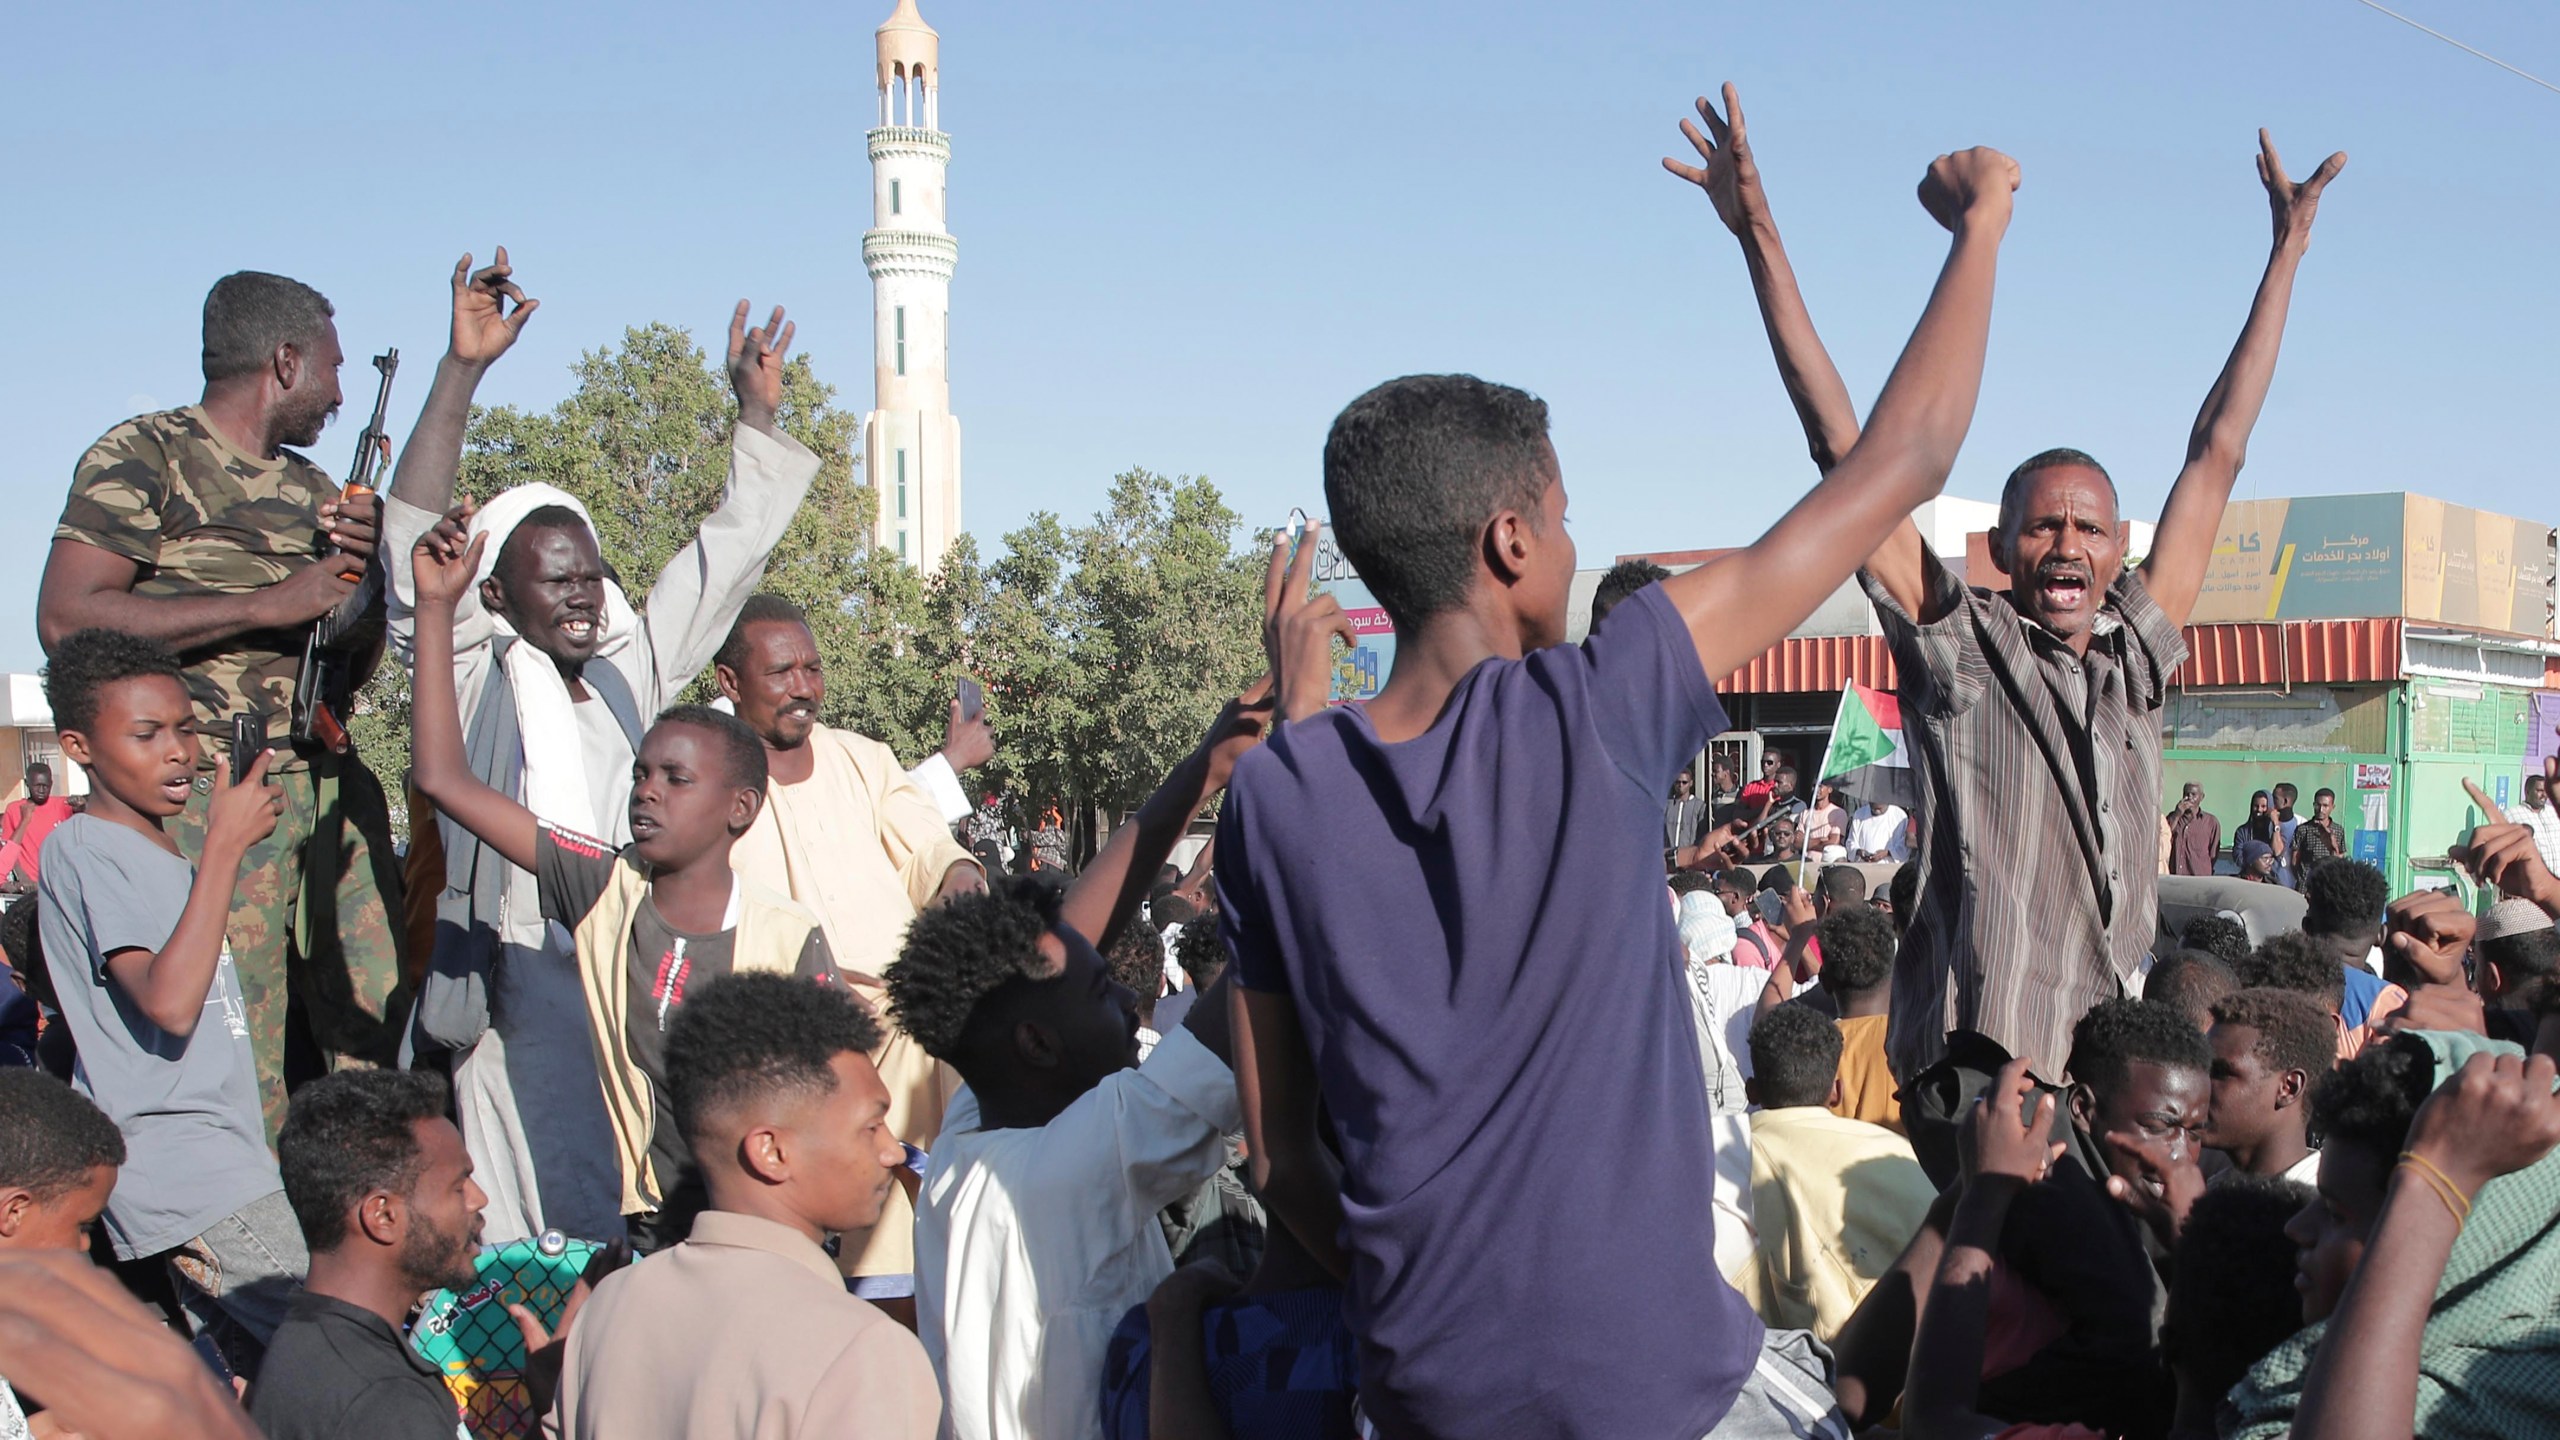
1623	580
741	753
2117	1034
2295	961
960	951
1137	958
23	943
1795	1055
745	1036
2220	936
1690	882
760	609
2294	1033
2231	1295
51	1136
1201	953
2344	896
349	1134
88	661
2369	1101
1857	949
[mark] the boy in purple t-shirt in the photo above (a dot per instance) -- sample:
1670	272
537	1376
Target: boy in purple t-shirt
1446	910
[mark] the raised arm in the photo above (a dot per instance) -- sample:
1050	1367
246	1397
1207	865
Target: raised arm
1731	178
2174	571
438	764
2494	1118
170	984
1107	893
484	327
697	597
1739	606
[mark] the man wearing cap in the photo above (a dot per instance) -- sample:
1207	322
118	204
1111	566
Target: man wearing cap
558	674
2515	956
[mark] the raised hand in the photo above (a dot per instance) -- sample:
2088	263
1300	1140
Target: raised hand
244	814
2495	1117
1971	184
967	741
1730	177
2430	931
1997	1143
1298	629
1239	727
484	325
755	366
2294	204
442	566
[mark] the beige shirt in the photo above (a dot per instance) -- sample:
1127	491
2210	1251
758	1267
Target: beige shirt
744	1330
865	847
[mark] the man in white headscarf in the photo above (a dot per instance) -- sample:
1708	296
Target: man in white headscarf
1716	994
558	676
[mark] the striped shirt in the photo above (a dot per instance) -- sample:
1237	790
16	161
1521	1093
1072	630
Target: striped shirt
2039	777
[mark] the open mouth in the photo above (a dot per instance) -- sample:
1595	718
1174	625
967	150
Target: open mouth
2065	591
579	629
177	787
644	827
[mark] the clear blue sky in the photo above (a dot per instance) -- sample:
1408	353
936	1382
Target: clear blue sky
1188	233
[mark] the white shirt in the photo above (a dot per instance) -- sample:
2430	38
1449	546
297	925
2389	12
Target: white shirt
2546	833
2305	1171
1885	831
1032	1243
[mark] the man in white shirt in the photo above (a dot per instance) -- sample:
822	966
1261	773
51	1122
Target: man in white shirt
1036	1224
1881	832
2542	816
557	674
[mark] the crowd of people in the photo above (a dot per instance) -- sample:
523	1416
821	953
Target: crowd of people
1458	1087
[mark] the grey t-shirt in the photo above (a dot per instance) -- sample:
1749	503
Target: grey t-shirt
195	1142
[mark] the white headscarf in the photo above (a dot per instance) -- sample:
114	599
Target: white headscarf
555	773
1706	932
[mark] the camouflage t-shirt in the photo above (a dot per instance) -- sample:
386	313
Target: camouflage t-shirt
201	517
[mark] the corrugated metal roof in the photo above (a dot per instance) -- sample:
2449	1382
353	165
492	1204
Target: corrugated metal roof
2293	652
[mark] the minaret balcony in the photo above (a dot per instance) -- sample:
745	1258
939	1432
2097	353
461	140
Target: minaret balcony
909	140
909	252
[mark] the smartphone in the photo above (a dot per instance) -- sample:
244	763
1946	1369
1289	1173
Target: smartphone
973	700
248	739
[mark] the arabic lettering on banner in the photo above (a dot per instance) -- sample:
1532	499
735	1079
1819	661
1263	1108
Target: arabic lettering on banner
1361	671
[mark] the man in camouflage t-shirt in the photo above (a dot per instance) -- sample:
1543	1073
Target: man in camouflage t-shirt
197	528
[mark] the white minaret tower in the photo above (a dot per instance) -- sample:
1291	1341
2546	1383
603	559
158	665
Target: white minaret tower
911	442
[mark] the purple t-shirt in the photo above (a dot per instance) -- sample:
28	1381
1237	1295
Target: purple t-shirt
1471	923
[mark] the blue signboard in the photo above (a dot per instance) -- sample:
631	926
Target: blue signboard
1359	673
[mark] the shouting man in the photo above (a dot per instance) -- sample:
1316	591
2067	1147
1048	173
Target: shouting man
2034	707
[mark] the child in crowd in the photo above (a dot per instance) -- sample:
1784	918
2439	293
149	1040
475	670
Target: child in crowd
2269	1048
1492	821
134	945
2294	961
58	1159
1036	1227
1834	1198
2189	982
661	917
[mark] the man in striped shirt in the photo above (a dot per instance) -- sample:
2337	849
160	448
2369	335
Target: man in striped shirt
2032	710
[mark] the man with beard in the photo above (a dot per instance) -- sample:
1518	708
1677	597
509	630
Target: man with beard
2035	707
558	674
382	1187
847	835
198	529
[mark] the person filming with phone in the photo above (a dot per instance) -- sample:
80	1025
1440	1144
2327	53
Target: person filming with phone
847	834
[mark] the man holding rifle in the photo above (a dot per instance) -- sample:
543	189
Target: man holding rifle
199	529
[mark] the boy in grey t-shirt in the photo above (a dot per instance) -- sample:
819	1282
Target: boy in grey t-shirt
133	938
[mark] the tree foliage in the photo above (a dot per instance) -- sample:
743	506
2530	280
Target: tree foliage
1105	649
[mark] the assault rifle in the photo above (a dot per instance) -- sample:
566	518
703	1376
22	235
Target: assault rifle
344	641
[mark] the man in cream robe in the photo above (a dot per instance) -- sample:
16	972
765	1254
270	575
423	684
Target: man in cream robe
845	833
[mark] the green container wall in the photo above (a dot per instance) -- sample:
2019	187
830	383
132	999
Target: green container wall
2431	735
